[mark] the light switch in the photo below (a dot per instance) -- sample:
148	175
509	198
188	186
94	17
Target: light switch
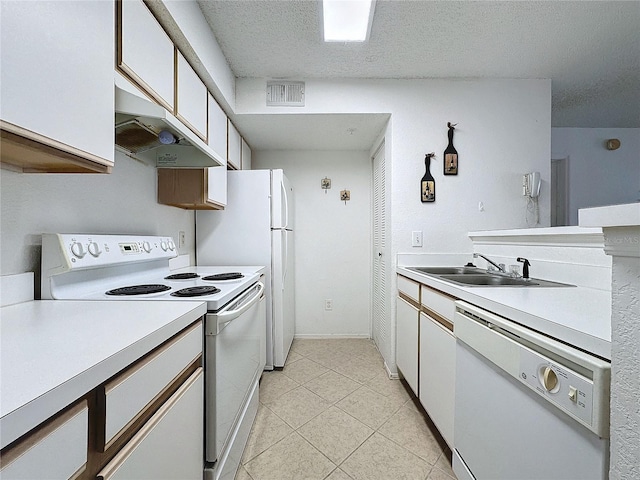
416	238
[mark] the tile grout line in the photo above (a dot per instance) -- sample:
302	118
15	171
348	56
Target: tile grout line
363	356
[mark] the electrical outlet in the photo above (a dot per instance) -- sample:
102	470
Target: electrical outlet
328	304
416	238
181	239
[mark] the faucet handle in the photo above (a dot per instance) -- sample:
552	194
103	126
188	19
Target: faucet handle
525	266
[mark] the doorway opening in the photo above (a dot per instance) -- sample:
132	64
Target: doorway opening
559	192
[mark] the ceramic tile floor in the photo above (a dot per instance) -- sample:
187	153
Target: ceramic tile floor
332	413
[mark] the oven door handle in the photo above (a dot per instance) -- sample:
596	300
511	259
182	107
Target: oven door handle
243	304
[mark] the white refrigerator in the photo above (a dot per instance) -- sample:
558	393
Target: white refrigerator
256	228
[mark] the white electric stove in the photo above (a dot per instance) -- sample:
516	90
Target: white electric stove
131	267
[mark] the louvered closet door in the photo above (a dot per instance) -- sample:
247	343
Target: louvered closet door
381	325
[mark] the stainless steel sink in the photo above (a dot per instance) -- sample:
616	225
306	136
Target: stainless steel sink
476	277
492	280
448	270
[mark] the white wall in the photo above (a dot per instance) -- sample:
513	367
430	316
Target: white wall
625	367
598	176
121	202
333	240
504	130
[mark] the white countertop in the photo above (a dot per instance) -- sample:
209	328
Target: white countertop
54	351
578	316
624	215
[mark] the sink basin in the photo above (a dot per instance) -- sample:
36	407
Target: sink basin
489	280
476	277
448	270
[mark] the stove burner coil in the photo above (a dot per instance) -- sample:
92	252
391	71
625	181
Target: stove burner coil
224	276
196	291
182	276
138	289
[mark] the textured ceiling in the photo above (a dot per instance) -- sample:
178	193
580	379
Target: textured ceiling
590	49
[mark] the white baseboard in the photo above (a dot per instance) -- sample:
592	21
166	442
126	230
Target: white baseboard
313	336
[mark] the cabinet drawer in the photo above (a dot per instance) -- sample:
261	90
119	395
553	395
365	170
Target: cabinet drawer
439	303
58	449
127	395
409	288
171	444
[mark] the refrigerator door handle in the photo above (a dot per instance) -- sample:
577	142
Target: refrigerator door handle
286	205
286	258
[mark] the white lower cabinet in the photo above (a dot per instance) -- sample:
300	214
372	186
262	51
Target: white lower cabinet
426	348
145	422
171	444
437	374
128	394
55	450
407	342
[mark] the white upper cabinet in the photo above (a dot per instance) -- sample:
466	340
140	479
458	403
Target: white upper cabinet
145	52
191	98
217	176
246	156
217	129
56	82
234	148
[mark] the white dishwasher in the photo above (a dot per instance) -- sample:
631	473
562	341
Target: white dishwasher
527	406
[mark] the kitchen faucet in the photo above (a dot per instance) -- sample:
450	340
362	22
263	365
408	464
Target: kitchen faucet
499	267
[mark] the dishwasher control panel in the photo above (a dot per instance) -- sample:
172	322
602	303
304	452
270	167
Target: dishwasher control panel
565	388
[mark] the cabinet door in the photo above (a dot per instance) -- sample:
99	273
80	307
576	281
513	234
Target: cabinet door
437	374
217	186
191	98
171	444
57	449
217	133
217	176
246	156
234	148
407	342
56	82
145	52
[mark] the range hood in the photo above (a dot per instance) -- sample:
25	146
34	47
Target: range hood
141	124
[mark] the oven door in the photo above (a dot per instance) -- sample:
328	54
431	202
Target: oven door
234	359
507	425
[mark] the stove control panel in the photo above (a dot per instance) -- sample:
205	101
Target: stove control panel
64	252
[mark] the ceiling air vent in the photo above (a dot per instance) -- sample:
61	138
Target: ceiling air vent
285	94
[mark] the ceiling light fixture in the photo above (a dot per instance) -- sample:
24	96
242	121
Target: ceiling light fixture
347	20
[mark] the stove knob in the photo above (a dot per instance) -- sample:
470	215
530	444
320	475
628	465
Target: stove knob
549	379
146	246
172	245
78	250
164	246
94	249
